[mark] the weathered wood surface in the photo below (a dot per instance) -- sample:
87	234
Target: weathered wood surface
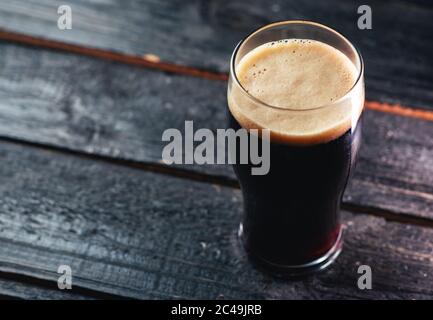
202	34
11	289
132	233
119	111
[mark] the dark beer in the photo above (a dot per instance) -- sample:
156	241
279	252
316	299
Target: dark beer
310	96
291	214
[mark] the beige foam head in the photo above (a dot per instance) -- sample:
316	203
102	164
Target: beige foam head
302	89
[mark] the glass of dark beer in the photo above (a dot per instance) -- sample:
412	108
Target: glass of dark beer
304	82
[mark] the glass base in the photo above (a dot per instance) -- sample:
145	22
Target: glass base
295	271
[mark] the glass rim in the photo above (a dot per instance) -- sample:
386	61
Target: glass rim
234	76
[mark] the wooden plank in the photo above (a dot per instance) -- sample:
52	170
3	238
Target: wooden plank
114	110
203	34
138	234
10	289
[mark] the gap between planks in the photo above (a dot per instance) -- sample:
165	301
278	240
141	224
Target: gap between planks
213	179
153	61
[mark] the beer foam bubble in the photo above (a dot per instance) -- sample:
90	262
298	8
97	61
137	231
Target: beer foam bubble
303	81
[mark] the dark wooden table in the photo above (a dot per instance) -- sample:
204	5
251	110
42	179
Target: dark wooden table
81	117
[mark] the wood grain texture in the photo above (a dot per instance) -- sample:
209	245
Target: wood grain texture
114	110
203	34
11	290
144	235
